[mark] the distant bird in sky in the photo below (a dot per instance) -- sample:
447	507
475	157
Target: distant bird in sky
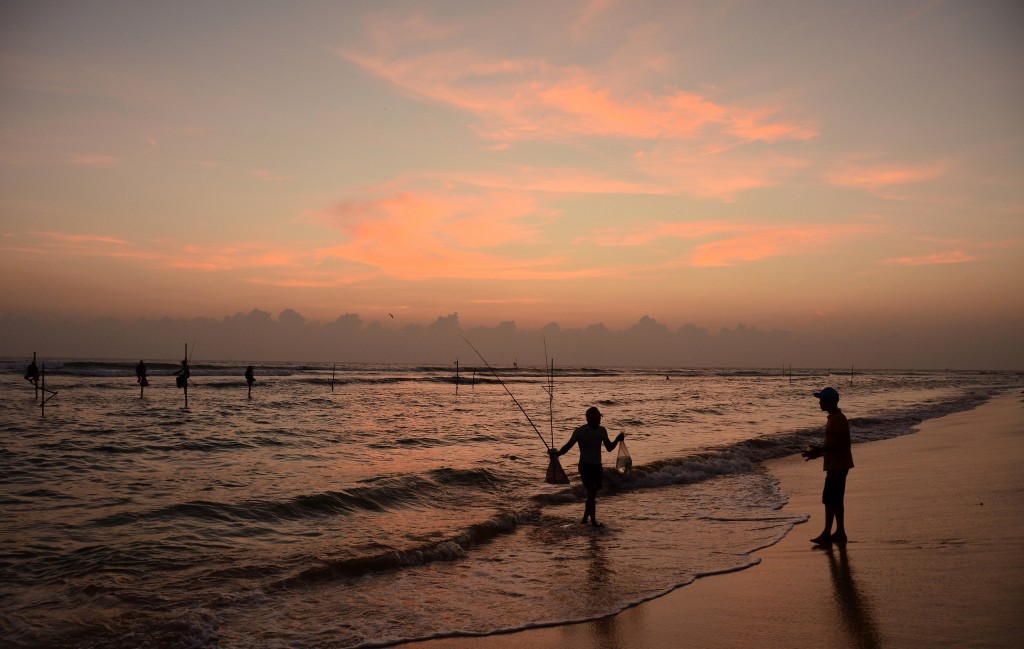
392	315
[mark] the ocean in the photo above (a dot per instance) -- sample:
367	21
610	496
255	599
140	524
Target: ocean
360	505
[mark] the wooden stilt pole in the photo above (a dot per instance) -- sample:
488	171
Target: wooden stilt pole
44	392
456	376
551	399
333	369
186	378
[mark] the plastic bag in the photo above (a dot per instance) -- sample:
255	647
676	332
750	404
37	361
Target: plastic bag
623	463
556	474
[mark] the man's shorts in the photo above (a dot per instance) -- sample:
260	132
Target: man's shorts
835	487
591	475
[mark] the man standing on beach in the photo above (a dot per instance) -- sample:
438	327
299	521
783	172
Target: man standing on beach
837	463
590	436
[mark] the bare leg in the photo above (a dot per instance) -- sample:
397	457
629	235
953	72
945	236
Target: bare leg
590	511
840	535
592	503
826	535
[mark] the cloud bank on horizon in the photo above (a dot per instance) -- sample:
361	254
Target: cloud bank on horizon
805	166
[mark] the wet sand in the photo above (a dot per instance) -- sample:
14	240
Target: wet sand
935	558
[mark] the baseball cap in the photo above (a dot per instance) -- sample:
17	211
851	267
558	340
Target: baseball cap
828	394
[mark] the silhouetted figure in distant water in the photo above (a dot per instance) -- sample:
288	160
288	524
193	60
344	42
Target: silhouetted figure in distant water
140	377
837	464
590	437
32	373
249	379
183	373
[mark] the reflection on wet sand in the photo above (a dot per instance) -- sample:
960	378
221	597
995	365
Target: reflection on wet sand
599	579
854	608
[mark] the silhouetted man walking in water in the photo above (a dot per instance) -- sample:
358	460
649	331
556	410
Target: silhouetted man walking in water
837	463
590	436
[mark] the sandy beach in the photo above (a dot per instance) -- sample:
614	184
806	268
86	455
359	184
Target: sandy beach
934	558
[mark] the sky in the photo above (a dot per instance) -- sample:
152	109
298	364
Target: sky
834	171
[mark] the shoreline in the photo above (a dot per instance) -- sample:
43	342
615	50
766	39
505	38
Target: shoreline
934	557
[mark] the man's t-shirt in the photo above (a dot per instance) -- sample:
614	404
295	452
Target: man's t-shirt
837	455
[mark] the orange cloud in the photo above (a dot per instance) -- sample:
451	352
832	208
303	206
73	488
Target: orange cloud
716	173
663	171
558	180
306	277
736	242
526	99
261	174
877	176
948	257
591	12
166	254
389	33
94	160
761	243
80	238
428	235
213	258
655	232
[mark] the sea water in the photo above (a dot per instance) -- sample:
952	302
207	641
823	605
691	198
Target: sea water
345	506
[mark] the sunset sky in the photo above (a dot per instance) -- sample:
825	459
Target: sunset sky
805	166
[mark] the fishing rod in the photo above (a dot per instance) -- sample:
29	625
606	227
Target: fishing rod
509	392
549	368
